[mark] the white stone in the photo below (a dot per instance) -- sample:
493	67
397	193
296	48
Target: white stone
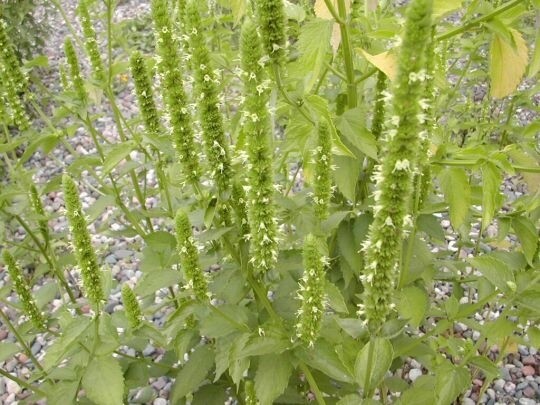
468	401
12	387
160	401
414	374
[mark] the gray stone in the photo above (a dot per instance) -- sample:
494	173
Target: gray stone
12	387
510	387
111	259
160	401
527	401
522	385
491	393
123	253
499	384
467	401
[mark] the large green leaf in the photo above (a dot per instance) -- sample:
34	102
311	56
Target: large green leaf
528	236
382	353
7	349
495	271
115	155
192	375
346	175
272	377
323	357
413	303
457	192
491	196
103	381
451	381
351	125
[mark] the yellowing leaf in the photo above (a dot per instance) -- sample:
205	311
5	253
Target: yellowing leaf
443	7
386	62
322	11
508	64
534	67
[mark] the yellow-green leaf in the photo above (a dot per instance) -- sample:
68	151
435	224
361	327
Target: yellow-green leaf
508	64
385	62
443	7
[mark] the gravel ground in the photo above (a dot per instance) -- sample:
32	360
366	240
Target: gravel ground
519	381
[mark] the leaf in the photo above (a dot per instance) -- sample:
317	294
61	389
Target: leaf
238	8
7	349
491	196
59	348
272	377
534	66
413	304
335	299
351	126
216	325
451	381
528	236
323	357
103	381
421	393
486	365
495	271
192	375
508	63
115	155
353	326
382	355
443	7
322	11
346	175
385	62
294	11
313	45
150	283
263	345
457	193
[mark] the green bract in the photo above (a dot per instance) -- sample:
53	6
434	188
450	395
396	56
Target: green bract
75	72
145	93
21	287
261	210
271	18
189	257
90	41
323	171
394	176
173	90
311	292
217	148
131	307
82	243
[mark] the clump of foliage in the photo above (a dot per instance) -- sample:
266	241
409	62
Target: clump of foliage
271	291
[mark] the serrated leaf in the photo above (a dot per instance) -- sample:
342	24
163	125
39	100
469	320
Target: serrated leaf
192	375
451	381
385	62
353	326
527	235
150	283
495	271
421	393
272	377
413	303
486	365
335	299
351	126
491	196
508	63
7	349
323	357
313	45
457	192
59	348
103	381
115	155
382	354
346	175
263	345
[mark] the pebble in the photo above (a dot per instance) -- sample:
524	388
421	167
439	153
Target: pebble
510	387
529	361
499	384
491	393
529	392
12	387
527	401
414	373
528	370
123	253
160	401
467	401
3	334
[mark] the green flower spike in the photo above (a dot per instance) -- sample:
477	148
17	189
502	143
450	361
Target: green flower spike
323	172
90	40
82	244
75	72
37	206
271	16
379	111
261	211
239	204
250	397
311	293
394	176
21	287
173	90
216	144
9	60
131	307
145	94
189	257
14	102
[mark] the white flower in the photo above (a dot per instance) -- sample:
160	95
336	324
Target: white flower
402	165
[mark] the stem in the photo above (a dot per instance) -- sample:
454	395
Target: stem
22	383
333	11
352	97
312	383
291	185
281	89
478	20
27	351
